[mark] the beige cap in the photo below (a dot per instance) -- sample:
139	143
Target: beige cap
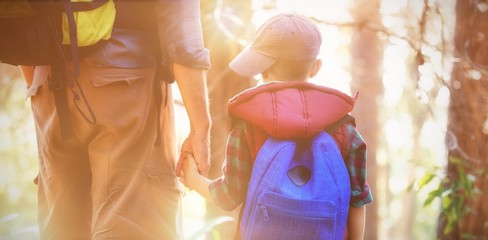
285	36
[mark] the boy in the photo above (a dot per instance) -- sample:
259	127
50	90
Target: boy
284	51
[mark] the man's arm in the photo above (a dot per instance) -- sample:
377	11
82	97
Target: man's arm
192	85
181	42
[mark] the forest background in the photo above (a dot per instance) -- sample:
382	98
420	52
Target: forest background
421	68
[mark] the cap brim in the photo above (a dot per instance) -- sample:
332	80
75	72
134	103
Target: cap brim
249	63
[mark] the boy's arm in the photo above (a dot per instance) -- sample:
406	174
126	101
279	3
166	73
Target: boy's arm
27	73
356	223
229	190
355	159
193	180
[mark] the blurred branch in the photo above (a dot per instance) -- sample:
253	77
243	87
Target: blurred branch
221	16
452	145
419	59
443	30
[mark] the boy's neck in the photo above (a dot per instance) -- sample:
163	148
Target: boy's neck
266	80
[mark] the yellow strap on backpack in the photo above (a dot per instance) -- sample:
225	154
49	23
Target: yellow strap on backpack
91	25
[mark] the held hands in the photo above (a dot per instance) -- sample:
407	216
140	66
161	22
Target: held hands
197	145
189	171
192	178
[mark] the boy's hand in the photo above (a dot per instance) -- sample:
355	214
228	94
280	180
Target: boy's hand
190	170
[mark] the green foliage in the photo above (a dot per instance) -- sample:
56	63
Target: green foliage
18	164
453	192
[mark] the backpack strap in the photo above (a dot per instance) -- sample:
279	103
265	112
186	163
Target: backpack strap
56	84
337	132
346	119
255	136
73	34
70	8
61	77
86	6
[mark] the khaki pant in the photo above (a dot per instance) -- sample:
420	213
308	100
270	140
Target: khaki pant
109	181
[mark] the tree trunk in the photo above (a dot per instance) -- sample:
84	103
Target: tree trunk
223	84
366	62
467	134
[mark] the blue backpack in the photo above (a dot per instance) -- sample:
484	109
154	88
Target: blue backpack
299	189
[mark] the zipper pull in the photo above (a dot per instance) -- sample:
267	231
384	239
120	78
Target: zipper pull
265	212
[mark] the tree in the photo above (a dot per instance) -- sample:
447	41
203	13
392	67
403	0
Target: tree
464	210
366	55
18	162
225	28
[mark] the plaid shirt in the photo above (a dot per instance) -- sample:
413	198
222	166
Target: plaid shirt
230	190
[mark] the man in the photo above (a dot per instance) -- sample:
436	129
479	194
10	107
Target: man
114	177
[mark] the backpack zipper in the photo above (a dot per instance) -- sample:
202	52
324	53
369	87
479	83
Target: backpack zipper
265	212
316	216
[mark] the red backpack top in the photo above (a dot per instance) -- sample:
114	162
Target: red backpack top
289	110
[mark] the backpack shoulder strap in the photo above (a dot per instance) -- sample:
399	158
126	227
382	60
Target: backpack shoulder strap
346	119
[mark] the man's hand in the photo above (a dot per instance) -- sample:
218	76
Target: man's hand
197	145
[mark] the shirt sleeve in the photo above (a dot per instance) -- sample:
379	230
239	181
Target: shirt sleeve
180	33
355	159
230	190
